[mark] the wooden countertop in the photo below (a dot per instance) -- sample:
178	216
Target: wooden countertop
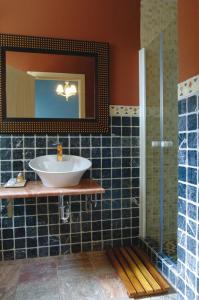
37	189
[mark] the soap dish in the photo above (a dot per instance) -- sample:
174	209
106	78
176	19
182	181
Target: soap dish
12	183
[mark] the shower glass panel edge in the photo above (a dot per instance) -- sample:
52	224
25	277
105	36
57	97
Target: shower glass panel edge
142	117
161	140
150	158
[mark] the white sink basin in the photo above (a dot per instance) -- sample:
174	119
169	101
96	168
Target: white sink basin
54	173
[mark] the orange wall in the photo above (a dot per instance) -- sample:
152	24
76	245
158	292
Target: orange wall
188	28
115	22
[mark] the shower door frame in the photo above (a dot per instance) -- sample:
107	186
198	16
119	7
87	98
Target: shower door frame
142	133
160	143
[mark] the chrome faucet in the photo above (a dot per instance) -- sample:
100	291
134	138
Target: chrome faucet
59	152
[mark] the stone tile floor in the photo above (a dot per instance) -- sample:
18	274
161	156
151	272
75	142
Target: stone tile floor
87	276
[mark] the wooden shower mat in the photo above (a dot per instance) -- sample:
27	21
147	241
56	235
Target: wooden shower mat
137	273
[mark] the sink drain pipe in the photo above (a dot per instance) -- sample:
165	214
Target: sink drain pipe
64	210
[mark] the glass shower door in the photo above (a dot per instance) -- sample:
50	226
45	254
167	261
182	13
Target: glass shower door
153	230
161	144
170	135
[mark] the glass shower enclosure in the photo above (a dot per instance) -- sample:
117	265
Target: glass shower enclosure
158	143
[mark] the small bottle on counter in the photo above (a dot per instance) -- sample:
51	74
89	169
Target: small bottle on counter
20	177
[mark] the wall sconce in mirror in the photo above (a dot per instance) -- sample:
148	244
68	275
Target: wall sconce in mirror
50	85
66	90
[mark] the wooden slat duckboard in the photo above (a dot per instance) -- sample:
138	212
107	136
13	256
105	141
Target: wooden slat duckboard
137	273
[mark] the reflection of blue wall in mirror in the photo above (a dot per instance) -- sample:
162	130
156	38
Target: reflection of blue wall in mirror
50	105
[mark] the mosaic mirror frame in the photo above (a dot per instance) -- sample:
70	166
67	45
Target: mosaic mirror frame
99	50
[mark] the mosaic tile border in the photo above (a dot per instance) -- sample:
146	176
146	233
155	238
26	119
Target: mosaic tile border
123	111
189	87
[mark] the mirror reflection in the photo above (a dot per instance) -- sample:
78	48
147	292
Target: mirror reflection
49	86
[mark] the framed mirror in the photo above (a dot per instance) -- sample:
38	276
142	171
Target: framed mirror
51	85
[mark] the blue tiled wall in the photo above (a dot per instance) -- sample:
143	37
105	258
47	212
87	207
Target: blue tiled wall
188	213
36	229
184	275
